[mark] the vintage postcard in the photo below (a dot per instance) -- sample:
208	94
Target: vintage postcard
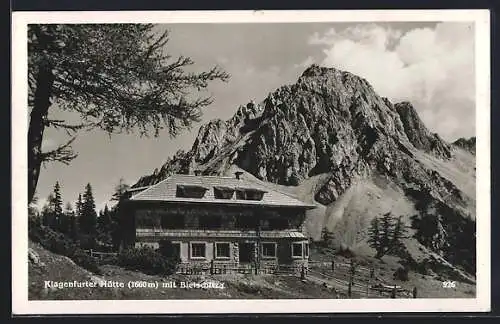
251	161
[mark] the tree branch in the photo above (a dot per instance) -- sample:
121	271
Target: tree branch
70	129
63	153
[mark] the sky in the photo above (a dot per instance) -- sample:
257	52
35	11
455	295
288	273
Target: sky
430	64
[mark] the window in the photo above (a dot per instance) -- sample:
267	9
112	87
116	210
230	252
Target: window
306	250
190	191
249	194
296	250
222	251
269	250
223	192
198	250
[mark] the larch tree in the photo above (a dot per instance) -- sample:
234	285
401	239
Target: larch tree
115	77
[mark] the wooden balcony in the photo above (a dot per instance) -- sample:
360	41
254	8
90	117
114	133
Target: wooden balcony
201	233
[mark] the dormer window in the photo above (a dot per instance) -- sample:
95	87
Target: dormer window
223	192
249	194
190	191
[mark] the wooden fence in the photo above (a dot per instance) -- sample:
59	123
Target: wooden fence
356	279
215	268
100	255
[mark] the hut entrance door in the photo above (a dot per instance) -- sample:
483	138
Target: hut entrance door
247	252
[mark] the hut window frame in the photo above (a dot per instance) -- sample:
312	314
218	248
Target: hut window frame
264	251
192	250
217	256
301	247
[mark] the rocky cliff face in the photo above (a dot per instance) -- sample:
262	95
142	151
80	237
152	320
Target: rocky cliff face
329	123
467	144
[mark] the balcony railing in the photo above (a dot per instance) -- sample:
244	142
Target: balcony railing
160	233
229	226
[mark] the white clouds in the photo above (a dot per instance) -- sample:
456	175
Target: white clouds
432	68
306	63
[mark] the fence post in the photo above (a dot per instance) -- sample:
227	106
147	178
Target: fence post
372	273
414	292
303	273
91	253
393	293
349	289
333	266
212	267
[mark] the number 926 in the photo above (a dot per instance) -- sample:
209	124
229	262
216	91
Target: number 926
449	284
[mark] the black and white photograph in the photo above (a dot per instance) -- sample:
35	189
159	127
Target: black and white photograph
201	162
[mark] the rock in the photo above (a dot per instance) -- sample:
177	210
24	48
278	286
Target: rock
97	280
418	134
33	256
467	144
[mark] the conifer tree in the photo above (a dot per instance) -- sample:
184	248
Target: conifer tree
55	203
120	190
104	225
385	234
57	199
47	212
399	232
88	218
66	219
79	204
374	236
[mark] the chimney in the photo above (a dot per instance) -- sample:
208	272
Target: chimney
197	172
238	174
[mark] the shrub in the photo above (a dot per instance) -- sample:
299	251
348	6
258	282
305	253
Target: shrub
87	242
59	243
345	251
147	260
85	261
401	274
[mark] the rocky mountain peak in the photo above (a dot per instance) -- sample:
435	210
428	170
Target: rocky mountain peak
418	134
466	144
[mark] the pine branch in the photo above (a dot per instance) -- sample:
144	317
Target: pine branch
70	129
63	153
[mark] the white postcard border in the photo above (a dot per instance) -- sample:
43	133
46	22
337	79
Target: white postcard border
20	303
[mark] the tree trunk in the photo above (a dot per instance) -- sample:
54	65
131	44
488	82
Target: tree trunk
45	79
